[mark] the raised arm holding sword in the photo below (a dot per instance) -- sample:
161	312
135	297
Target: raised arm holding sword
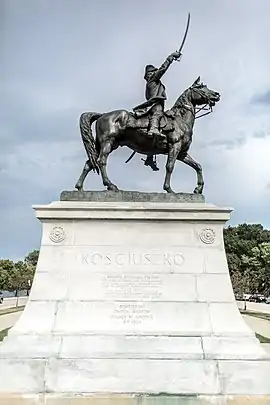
155	94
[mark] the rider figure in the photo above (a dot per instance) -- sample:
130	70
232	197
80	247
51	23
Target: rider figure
155	94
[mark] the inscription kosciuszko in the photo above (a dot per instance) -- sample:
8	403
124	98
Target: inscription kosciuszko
132	259
149	129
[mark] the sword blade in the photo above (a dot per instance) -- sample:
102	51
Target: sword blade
185	35
131	156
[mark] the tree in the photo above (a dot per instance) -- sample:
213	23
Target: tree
19	276
258	263
5	267
31	261
247	247
234	263
32	258
15	277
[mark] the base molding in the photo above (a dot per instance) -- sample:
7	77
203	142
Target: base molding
132	399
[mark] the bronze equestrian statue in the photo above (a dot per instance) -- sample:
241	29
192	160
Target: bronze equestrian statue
122	128
148	130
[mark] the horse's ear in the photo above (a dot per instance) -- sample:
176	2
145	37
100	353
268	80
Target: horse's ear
197	81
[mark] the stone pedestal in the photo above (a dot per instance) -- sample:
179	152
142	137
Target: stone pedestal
132	303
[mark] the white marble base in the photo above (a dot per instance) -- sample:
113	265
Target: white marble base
132	298
110	375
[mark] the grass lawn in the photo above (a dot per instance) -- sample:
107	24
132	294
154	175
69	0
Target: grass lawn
6	311
260	315
3	333
262	339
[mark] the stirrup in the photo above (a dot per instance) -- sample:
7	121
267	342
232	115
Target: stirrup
152	162
153	133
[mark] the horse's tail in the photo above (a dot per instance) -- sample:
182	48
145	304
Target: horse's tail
86	120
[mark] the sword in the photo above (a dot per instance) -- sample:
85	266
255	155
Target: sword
178	60
184	38
131	156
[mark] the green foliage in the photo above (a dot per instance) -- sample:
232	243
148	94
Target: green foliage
262	339
16	276
32	258
5	269
20	277
248	255
3	334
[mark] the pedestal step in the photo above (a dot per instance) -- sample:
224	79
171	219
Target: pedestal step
175	377
131	347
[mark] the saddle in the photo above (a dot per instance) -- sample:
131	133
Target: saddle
140	120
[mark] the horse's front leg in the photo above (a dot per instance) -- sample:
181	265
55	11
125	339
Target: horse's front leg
106	149
172	155
188	160
86	169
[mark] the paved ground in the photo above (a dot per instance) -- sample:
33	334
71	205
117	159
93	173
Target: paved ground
6	321
253	306
260	326
266	347
11	302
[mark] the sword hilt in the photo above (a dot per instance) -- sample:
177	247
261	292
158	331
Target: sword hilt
178	60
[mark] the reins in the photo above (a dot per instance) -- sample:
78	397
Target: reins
206	107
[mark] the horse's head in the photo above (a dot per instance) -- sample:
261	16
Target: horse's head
199	94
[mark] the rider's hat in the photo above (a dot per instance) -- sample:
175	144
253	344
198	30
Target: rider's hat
148	69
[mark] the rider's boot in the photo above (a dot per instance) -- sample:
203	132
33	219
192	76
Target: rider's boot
149	161
154	127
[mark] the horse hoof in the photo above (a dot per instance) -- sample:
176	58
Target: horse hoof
198	190
169	190
78	188
112	188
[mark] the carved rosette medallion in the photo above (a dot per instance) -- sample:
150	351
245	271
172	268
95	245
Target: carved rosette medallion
57	234
207	235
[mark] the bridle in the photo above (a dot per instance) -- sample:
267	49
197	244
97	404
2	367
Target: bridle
206	107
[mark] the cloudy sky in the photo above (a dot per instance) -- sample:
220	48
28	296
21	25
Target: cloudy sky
60	58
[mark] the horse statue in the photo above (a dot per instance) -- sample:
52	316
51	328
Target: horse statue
123	128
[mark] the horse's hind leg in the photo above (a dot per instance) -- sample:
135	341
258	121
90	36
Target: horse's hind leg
86	169
106	148
188	160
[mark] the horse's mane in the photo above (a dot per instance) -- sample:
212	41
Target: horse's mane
180	103
182	100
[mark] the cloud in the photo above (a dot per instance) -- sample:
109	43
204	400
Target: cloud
230	143
263	98
62	58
